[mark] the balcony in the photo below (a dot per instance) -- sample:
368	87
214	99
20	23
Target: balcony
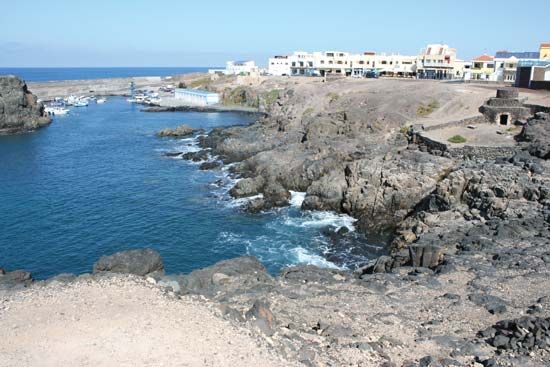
436	65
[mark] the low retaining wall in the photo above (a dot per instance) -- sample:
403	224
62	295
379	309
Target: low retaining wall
464	122
466	151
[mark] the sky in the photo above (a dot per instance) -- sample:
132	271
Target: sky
75	33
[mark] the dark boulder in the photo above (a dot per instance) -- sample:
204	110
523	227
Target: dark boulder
261	317
535	136
180	131
426	256
210	165
240	275
139	262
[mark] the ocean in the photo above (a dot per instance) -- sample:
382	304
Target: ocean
96	182
53	74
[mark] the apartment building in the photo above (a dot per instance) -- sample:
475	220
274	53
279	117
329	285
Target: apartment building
245	67
437	61
279	65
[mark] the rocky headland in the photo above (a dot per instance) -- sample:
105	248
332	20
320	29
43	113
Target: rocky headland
466	276
19	110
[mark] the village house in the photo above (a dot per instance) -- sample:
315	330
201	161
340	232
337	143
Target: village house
437	61
279	65
246	67
483	67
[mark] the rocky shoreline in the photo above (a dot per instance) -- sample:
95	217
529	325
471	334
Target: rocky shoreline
467	276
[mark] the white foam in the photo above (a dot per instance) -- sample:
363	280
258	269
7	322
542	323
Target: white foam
297	198
303	256
318	219
243	201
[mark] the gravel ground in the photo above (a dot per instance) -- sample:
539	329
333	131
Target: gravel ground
120	322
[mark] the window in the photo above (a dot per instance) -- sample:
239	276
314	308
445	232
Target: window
293	63
322	61
339	62
310	63
361	62
490	66
384	62
330	54
330	62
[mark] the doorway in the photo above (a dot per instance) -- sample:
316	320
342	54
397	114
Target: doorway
504	119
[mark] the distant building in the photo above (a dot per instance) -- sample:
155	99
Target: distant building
544	51
278	66
301	63
503	54
241	67
197	97
534	74
483	68
437	61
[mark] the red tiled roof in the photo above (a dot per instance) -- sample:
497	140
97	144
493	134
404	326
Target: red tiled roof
545	45
484	58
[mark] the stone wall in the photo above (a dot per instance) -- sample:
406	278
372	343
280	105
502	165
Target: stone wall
466	151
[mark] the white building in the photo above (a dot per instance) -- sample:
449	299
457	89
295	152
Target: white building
437	61
279	66
241	67
197	97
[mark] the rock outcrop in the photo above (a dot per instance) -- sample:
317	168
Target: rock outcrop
180	131
535	136
19	110
139	262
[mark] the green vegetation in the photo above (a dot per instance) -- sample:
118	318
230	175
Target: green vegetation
457	139
332	97
424	110
271	96
405	129
308	111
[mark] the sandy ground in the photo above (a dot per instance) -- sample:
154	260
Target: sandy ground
117	322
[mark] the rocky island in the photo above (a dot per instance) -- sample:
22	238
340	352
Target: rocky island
19	109
466	222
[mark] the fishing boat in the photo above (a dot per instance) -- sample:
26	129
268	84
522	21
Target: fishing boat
81	103
56	110
100	100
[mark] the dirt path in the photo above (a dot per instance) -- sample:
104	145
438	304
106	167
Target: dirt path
116	322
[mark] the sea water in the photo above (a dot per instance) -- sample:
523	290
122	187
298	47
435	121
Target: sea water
96	181
55	74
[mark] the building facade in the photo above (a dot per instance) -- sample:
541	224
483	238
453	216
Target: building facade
544	51
279	66
483	68
246	67
437	61
197	97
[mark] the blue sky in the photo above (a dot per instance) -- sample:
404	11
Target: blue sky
207	33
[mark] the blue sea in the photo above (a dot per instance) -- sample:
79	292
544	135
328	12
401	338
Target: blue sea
96	181
53	74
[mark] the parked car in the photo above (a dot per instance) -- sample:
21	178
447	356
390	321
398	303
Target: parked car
371	74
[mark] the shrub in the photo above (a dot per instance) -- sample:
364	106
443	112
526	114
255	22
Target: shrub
457	139
332	97
425	110
271	96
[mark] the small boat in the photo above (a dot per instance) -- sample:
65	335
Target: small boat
81	103
56	110
100	100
